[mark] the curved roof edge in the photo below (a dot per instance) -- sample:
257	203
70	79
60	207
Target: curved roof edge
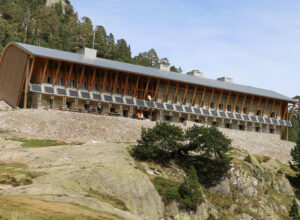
147	71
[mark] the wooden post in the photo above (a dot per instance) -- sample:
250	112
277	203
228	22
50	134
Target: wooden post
266	105
91	86
235	102
258	105
69	75
166	91
202	98
44	71
104	82
156	90
147	88
227	101
279	108
250	106
243	104
271	110
126	85
194	96
113	89
211	98
219	100
292	112
136	86
175	93
81	77
185	92
56	73
26	84
285	112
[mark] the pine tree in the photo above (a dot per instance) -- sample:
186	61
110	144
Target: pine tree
294	210
295	153
190	189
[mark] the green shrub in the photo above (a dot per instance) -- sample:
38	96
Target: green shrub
294	210
248	159
190	190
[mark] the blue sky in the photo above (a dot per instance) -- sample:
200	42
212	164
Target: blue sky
255	42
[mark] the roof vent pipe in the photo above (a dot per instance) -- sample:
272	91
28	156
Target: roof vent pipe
225	79
196	73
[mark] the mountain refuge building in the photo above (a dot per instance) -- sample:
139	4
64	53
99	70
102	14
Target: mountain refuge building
38	77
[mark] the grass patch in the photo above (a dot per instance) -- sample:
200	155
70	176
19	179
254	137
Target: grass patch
23	208
168	189
33	143
15	174
262	158
115	202
4	131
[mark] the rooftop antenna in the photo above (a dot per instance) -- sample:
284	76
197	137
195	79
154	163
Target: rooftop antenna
94	39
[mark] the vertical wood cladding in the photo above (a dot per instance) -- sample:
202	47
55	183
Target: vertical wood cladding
12	70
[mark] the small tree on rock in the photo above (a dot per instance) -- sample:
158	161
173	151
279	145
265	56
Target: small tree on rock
294	210
190	190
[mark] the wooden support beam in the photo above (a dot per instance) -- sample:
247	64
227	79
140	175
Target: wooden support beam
279	109
156	90
202	98
166	91
81	77
26	83
175	93
292	112
272	108
93	79
211	98
69	75
104	82
113	89
194	96
235	102
265	108
227	101
185	92
126	85
219	100
250	106
44	71
147	88
258	105
31	70
136	86
285	112
56	73
243	104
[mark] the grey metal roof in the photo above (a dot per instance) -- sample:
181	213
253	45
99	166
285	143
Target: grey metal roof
126	67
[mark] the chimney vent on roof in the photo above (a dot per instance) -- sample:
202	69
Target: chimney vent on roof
196	73
225	79
88	53
164	67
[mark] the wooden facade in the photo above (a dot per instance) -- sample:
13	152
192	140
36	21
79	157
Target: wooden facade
18	69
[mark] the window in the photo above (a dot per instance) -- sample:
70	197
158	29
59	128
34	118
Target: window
167	118
73	83
166	100
49	79
69	104
175	101
237	109
214	123
273	115
181	120
272	131
245	110
62	81
197	120
221	107
229	108
96	86
241	127
259	112
212	105
227	125
257	129
85	85
128	91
